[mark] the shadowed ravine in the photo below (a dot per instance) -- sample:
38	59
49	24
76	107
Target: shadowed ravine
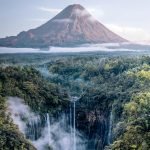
46	131
74	102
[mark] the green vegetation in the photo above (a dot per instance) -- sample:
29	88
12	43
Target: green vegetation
10	137
26	83
105	83
118	84
137	120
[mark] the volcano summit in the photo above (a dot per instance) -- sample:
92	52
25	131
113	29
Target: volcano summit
71	27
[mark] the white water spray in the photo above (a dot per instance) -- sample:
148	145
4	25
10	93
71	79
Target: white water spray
40	133
49	128
70	120
74	99
74	125
110	128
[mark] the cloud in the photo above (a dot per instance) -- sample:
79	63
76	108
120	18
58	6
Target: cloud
84	13
81	12
95	14
50	131
67	20
50	10
92	19
130	33
98	13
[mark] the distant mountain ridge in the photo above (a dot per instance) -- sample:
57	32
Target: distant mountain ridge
72	26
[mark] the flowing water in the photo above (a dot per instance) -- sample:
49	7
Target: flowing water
46	131
110	128
43	131
74	125
70	120
49	128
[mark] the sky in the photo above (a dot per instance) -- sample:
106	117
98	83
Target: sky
128	18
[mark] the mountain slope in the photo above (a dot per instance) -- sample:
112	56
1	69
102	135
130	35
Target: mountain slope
72	26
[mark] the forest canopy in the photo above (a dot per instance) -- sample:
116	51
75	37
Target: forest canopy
105	85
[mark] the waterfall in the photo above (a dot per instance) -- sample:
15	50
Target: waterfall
40	128
73	100
34	127
110	128
74	125
49	129
70	120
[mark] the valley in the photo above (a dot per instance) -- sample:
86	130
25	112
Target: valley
91	101
74	75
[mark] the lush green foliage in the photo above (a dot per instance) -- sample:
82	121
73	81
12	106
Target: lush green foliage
137	120
10	137
120	84
117	84
26	83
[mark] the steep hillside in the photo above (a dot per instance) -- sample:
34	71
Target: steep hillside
72	26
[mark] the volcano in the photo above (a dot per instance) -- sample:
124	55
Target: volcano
71	27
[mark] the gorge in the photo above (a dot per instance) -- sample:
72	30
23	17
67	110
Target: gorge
78	102
46	131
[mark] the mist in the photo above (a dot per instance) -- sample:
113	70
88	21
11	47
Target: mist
55	134
108	47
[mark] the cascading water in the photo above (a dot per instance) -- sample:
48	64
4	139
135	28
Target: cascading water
70	120
39	129
110	128
58	133
34	127
49	128
74	125
72	115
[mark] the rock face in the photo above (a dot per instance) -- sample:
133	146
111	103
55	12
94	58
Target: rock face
72	26
93	120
